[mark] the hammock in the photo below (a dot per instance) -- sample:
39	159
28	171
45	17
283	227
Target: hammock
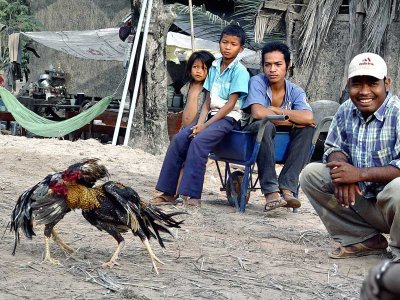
49	128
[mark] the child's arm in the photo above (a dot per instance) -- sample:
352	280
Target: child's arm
204	109
191	107
222	112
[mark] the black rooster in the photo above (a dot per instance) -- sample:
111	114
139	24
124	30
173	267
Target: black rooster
112	207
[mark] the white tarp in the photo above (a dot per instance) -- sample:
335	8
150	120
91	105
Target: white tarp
179	47
101	44
105	44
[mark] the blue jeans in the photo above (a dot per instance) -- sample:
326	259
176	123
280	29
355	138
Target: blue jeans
194	153
297	156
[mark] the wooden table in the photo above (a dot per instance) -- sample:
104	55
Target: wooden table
108	119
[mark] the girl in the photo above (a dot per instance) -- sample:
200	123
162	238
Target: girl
193	91
193	98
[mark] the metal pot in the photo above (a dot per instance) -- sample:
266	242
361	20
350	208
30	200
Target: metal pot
44	76
44	83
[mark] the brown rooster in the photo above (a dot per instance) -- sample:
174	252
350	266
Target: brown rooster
111	207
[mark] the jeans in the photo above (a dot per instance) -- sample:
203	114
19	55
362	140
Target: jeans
297	156
193	152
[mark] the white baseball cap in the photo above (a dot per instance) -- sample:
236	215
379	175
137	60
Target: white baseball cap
367	64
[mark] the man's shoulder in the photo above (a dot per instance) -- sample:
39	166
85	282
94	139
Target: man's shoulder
259	79
394	102
294	87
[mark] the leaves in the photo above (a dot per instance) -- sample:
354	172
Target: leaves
318	19
17	17
209	26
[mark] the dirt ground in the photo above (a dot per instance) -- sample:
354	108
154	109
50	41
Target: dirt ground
218	253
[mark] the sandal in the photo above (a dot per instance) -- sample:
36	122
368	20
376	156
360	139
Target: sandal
274	203
355	250
187	201
163	199
291	200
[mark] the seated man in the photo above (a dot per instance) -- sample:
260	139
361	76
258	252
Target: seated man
271	94
355	192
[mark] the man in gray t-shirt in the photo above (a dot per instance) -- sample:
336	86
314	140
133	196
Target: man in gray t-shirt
271	94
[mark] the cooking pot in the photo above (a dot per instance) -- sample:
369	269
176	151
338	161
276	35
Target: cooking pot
44	83
44	76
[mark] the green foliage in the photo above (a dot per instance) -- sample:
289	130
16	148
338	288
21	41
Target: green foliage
16	16
208	26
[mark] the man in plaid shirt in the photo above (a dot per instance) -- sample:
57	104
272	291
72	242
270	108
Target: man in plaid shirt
356	191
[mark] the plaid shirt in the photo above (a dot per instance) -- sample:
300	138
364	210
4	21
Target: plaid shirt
374	142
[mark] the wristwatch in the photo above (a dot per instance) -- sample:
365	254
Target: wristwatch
379	276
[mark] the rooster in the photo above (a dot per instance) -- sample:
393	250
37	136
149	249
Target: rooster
111	207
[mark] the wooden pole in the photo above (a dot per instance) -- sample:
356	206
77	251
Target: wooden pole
191	24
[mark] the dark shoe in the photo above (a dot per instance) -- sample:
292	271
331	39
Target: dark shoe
291	200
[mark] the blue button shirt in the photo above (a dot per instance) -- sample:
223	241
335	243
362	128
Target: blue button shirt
260	93
234	79
374	142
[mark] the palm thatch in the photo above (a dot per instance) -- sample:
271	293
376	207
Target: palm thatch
379	15
318	19
265	24
209	26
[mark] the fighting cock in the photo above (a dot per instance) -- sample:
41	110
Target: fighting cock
111	207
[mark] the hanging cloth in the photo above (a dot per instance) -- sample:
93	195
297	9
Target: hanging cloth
13	45
49	128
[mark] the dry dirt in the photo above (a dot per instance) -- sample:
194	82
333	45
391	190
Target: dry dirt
218	253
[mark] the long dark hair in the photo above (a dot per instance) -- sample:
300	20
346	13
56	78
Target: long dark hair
204	56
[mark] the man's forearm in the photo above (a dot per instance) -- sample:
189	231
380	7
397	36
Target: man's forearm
379	174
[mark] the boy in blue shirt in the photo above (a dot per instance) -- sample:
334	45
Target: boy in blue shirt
271	94
227	86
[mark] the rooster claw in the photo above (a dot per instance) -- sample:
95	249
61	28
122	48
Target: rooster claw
110	264
50	260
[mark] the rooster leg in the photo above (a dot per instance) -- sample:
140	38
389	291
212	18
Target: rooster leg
113	260
47	256
153	257
61	243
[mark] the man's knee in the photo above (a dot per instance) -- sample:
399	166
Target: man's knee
390	192
314	174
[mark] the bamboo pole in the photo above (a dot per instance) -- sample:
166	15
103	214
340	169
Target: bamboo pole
129	73
139	71
191	24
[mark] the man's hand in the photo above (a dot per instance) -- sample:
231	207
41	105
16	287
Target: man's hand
346	193
344	173
196	129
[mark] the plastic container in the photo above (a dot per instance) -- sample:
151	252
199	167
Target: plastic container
236	145
239	145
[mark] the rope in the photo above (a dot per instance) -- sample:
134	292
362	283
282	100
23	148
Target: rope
49	128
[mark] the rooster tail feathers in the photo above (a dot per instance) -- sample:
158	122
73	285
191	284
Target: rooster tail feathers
21	215
158	221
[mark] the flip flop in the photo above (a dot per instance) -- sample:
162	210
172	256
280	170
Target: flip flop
163	199
355	250
186	201
274	203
